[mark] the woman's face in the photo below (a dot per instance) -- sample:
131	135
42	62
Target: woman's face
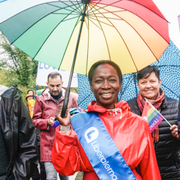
106	85
150	86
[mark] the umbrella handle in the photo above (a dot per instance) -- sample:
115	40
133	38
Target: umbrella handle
65	103
66	99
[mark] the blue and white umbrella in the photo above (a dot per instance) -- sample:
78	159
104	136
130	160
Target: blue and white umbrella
169	66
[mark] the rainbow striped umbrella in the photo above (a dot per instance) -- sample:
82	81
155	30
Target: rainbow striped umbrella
61	33
132	33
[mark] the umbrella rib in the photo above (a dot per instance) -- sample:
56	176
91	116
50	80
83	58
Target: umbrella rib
79	6
96	4
66	6
52	32
87	46
69	41
178	54
91	19
39	5
170	90
148	23
159	66
92	6
84	99
36	22
119	34
131	26
110	4
127	85
123	38
103	35
150	10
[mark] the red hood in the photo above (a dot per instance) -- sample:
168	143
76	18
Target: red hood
46	94
96	108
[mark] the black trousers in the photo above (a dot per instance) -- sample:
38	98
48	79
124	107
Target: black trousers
39	173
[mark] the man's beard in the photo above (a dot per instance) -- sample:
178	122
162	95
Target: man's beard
56	96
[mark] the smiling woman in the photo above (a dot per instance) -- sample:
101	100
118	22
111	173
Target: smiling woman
166	138
149	84
105	80
99	141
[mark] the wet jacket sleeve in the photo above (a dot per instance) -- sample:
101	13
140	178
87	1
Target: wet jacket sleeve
148	166
38	120
68	156
26	157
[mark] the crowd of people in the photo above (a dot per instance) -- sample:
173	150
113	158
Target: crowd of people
108	140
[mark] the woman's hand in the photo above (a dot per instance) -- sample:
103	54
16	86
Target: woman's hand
63	121
174	131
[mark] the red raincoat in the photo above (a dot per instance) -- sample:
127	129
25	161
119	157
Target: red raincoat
46	107
131	135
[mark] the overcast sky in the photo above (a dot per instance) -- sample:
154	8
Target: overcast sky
171	10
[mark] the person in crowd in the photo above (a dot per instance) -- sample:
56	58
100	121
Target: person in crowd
165	137
30	98
44	116
18	151
107	141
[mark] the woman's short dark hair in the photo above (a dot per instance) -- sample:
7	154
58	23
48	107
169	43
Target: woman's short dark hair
146	72
98	63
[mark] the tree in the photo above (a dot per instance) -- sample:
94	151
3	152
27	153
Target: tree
17	62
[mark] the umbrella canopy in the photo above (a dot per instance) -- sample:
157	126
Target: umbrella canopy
169	66
132	33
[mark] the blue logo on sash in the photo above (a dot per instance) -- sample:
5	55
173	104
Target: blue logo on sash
100	148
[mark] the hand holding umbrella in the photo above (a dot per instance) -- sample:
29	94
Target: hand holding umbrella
64	121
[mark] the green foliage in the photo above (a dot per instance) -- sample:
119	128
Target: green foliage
74	90
34	67
3	78
8	80
16	67
19	64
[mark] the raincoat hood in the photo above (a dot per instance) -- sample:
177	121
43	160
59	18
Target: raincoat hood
47	96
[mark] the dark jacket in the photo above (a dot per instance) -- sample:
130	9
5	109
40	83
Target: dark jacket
18	134
168	148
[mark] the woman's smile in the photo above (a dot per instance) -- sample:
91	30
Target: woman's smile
149	87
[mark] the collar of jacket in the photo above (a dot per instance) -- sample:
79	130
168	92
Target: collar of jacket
164	103
47	96
13	91
93	107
